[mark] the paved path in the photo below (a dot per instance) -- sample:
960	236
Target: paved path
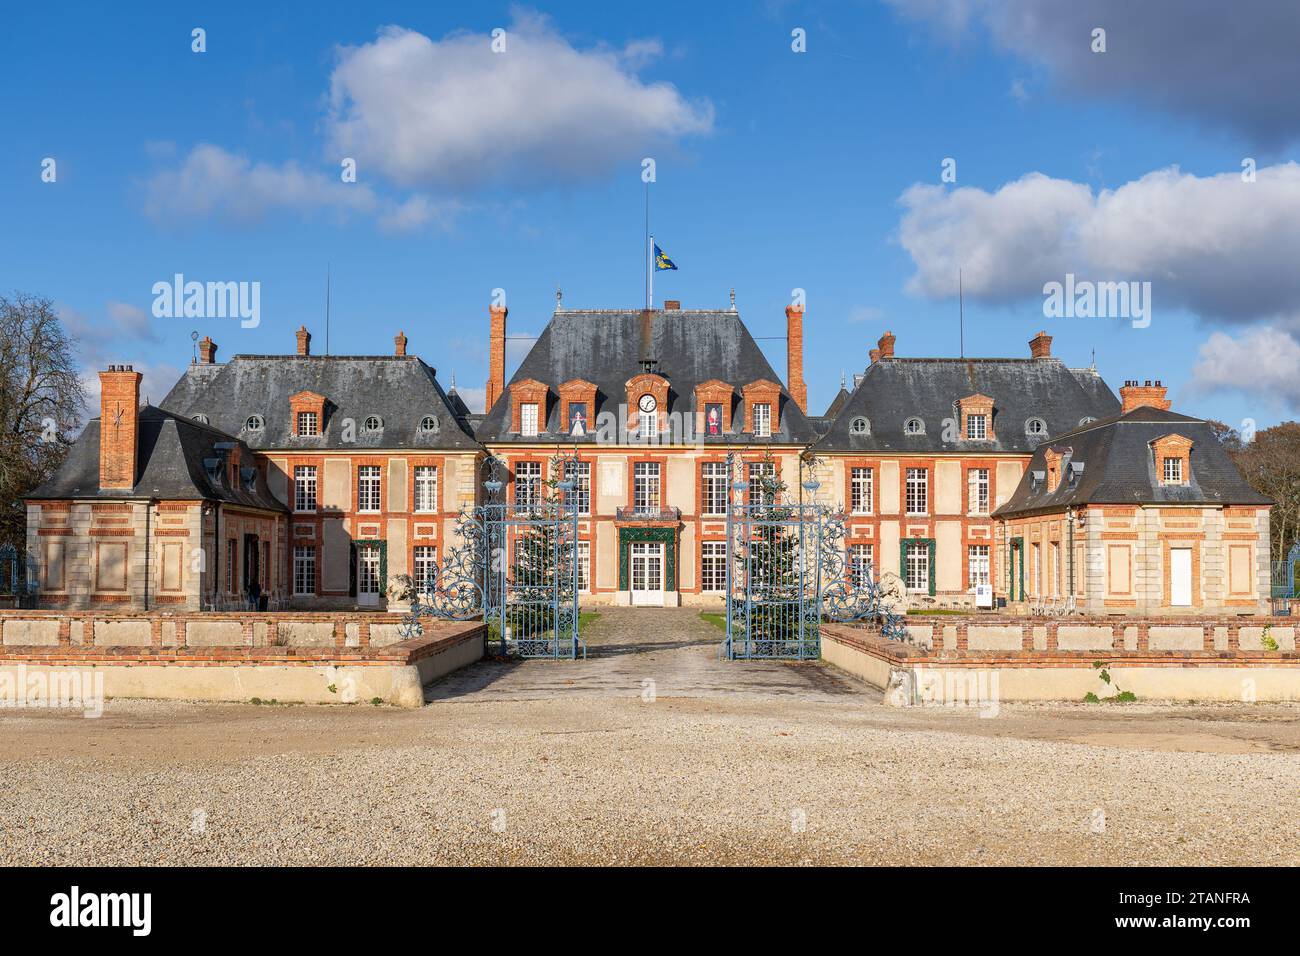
674	648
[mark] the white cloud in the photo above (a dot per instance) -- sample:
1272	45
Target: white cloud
1261	362
452	112
212	181
1230	64
1218	246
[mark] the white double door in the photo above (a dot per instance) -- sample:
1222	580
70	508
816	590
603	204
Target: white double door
647	572
367	575
1180	577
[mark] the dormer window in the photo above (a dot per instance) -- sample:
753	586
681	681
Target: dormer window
200	418
373	424
528	419
1172	459
308	411
255	423
308	424
428	424
914	426
1036	427
859	426
977	427
762	420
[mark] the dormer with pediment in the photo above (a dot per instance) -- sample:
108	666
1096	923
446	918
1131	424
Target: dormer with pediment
1172	454
577	406
528	406
975	414
306	414
714	392
762	408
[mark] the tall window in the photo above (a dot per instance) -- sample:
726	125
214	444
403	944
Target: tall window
308	424
762	480
918	491
977	486
426	568
762	420
230	566
579	499
713	565
645	487
583	557
862	560
1173	471
976	426
528	419
918	567
977	564
304	569
426	488
368	488
304	488
713	488
647	424
1038	570
528	485
860	491
1057	569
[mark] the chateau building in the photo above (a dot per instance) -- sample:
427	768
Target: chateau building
651	402
321	478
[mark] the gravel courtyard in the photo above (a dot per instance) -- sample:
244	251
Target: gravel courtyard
650	751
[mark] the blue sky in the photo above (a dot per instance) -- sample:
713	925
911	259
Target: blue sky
775	170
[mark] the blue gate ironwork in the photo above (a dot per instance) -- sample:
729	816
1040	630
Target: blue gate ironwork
19	576
515	567
787	572
1283	581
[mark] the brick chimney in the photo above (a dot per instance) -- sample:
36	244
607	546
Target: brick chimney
207	350
496	383
886	344
399	343
119	433
1137	395
304	341
874	355
794	357
672	305
1040	346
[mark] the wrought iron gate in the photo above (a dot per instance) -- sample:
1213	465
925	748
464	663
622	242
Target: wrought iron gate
516	566
787	572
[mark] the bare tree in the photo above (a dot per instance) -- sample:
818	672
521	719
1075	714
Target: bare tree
1271	464
41	401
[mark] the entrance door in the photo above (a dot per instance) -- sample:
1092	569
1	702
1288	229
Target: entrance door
1180	577
367	574
647	573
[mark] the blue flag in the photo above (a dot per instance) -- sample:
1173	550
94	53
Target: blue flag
662	261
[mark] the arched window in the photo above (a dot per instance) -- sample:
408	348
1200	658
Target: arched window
373	423
914	426
1036	427
255	423
859	426
428	424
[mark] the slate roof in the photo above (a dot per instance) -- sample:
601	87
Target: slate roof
605	347
1119	467
400	390
894	389
171	456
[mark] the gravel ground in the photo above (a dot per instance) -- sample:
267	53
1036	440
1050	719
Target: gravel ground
578	762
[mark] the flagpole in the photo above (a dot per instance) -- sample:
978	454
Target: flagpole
650	276
648	252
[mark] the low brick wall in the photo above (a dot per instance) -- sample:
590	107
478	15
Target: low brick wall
299	657
1036	659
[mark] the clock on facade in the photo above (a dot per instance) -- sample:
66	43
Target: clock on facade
647	403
